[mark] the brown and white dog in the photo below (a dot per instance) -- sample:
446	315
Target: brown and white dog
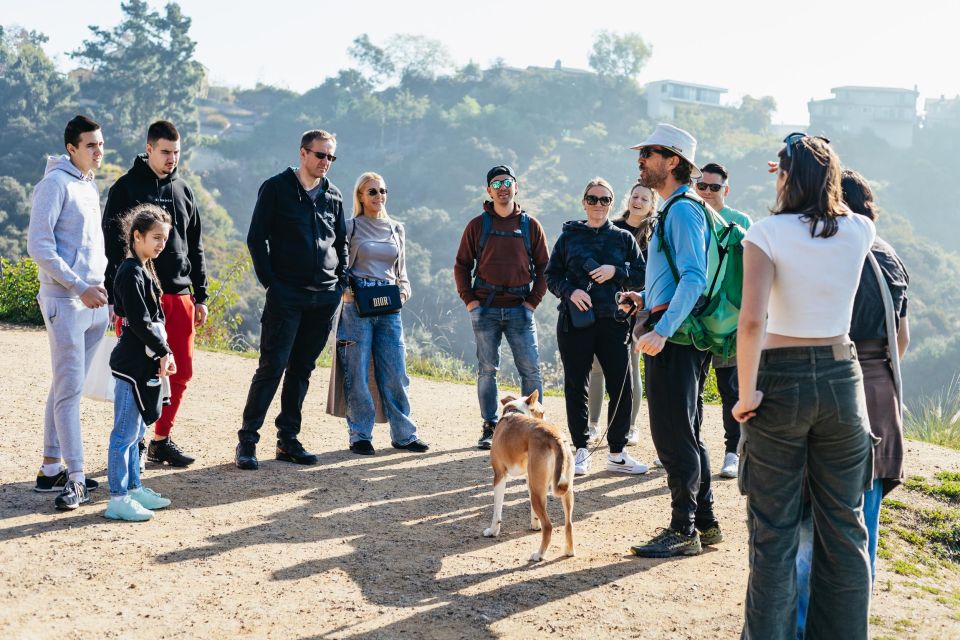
526	445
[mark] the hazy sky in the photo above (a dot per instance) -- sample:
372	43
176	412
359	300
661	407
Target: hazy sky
792	51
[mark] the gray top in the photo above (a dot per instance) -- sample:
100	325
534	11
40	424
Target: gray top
377	251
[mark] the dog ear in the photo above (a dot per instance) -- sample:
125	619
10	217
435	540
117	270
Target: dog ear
507	399
533	397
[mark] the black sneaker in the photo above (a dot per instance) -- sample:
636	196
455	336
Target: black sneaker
711	534
486	438
246	456
166	450
362	447
293	451
73	495
49	484
417	446
668	544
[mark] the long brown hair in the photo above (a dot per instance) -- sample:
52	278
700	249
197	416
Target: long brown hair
645	231
812	188
141	219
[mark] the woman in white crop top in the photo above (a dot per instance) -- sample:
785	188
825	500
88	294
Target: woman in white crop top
802	402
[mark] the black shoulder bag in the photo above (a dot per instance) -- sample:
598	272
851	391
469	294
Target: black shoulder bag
380	299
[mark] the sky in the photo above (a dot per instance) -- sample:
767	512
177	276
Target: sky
793	52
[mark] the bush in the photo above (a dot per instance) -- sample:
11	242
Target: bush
221	330
936	418
18	291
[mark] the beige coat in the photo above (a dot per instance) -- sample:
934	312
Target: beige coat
336	396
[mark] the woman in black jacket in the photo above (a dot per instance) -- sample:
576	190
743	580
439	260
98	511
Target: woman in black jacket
591	263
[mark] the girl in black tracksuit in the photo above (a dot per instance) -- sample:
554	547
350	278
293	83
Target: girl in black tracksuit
591	262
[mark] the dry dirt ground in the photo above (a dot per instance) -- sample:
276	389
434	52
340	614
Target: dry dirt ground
355	547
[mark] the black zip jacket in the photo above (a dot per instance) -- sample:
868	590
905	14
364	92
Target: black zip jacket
137	301
294	240
606	244
181	265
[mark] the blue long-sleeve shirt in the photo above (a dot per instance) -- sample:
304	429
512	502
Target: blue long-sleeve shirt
688	236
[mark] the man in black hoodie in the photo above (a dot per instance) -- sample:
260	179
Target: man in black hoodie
153	179
297	240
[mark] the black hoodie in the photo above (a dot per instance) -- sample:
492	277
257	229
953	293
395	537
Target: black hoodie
181	265
296	240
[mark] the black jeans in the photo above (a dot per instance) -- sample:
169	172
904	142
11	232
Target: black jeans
605	340
675	379
293	331
729	394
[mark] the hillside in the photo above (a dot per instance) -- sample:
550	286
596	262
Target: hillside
374	547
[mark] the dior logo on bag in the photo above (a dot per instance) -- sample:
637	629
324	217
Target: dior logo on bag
382	301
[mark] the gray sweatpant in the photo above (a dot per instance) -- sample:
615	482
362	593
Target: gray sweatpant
74	332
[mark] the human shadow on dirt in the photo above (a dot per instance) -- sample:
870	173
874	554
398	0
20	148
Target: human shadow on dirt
379	520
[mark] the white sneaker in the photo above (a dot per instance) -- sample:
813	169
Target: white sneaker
592	430
657	463
581	462
633	436
626	465
731	464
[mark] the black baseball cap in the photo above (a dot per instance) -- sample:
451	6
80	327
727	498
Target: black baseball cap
499	170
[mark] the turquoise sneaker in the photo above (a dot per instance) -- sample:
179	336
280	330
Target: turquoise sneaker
149	499
127	509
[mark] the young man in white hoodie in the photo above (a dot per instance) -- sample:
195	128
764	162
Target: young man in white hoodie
66	242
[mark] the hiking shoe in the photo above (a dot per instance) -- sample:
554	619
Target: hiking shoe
668	544
149	499
293	451
711	535
362	447
417	446
581	462
731	464
166	450
657	463
633	436
49	484
593	429
73	495
127	509
626	465
142	450
246	456
486	438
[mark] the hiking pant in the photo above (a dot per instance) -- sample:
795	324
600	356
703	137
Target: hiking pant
729	394
675	379
813	417
604	339
595	394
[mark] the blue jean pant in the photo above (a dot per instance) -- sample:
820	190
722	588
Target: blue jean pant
123	458
871	515
813	419
379	338
490	325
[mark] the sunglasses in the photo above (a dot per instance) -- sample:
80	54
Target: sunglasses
496	184
372	192
796	137
703	186
604	200
320	155
646	152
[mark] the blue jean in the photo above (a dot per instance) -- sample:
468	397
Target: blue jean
123	458
490	325
871	515
379	338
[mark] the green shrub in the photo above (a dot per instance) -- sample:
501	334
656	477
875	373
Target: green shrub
221	330
18	291
936	418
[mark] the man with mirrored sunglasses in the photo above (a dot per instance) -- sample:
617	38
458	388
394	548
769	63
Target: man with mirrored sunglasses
297	241
714	187
499	274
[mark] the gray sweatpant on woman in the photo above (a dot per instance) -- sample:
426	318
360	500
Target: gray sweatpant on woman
74	332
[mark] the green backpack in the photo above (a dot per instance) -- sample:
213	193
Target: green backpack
712	325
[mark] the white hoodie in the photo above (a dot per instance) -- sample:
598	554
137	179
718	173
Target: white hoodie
64	237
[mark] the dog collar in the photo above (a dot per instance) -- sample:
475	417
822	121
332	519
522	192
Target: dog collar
509	410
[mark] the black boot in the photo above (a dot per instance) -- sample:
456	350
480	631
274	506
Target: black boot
293	451
246	457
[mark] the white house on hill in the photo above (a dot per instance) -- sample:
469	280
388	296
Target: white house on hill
888	113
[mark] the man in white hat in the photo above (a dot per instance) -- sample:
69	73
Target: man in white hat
676	372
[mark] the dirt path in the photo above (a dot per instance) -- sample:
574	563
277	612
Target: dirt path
354	547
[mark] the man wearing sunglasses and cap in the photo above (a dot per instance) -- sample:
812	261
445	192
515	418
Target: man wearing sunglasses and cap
297	241
675	372
499	274
713	187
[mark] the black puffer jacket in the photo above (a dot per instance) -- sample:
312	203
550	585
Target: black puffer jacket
606	244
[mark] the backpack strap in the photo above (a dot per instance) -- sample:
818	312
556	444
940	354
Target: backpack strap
891	327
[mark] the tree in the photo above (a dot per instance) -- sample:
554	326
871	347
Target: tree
617	56
419	56
143	70
372	59
757	113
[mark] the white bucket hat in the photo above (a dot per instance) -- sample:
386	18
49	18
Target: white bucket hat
676	140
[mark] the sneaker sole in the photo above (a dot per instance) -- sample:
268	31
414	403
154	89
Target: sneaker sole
70	507
728	474
484	447
666	554
626	471
282	457
119	519
709	542
60	488
172	464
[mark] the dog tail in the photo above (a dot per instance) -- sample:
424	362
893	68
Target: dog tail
563	471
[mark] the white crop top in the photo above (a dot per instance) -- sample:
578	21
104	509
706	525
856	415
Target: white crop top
816	278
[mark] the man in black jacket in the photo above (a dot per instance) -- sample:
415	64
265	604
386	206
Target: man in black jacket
297	240
181	267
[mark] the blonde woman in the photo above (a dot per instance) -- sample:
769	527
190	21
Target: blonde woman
376	257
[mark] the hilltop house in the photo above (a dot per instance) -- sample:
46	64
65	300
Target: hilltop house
942	112
888	113
663	97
